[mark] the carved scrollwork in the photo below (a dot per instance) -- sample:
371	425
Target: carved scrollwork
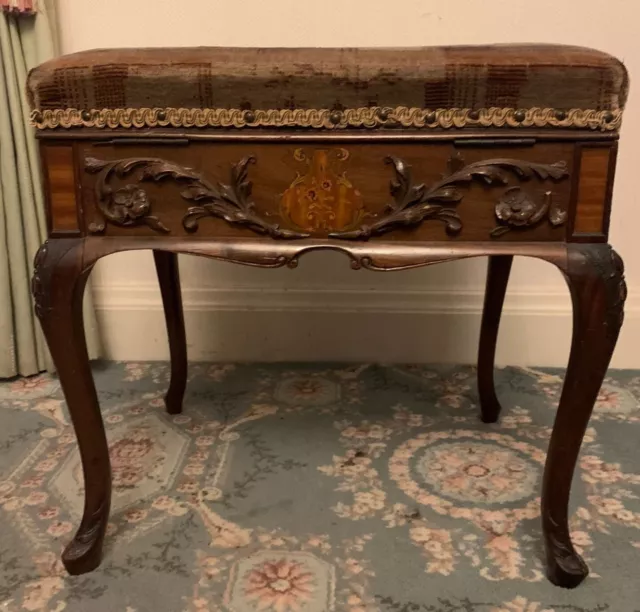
414	203
130	205
51	257
232	203
41	298
610	267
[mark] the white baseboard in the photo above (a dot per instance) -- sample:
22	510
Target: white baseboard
336	324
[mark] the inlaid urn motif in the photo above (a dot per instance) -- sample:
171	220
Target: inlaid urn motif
322	199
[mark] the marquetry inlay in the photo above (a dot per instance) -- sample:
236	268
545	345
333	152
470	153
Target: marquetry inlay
593	183
61	185
322	198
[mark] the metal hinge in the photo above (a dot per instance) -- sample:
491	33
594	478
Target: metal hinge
124	140
494	142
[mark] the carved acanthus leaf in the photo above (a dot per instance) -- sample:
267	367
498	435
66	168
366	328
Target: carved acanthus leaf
230	202
130	205
414	203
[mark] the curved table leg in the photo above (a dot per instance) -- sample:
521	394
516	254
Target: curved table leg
595	276
58	284
497	279
169	279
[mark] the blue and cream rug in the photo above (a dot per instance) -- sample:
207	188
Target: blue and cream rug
298	488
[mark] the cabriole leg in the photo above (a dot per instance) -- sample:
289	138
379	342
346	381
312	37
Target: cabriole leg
595	276
169	279
58	285
497	279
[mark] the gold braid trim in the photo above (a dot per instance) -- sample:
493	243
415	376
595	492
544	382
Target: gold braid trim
369	117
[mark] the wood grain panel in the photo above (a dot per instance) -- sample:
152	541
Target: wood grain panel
61	185
593	183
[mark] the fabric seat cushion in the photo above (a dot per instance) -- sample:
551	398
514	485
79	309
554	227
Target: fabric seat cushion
473	77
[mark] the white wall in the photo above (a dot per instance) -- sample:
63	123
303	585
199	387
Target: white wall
323	310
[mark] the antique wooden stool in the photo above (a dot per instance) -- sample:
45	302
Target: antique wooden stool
397	158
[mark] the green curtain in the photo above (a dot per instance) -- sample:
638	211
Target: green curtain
24	43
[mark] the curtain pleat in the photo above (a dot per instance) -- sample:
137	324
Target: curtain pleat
24	43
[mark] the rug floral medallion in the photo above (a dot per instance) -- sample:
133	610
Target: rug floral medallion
317	488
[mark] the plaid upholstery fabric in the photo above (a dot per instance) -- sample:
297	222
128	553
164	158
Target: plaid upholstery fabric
514	76
18	6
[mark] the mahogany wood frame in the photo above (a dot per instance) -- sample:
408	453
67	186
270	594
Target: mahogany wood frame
593	271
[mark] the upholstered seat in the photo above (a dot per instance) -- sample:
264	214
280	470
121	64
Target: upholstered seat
254	82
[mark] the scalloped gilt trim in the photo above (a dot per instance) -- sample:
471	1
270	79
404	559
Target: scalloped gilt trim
368	117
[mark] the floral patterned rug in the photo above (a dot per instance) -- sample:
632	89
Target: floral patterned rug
314	488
